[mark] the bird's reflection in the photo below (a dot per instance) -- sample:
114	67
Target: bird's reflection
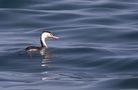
45	62
45	58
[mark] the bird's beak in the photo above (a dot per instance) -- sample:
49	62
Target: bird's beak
55	37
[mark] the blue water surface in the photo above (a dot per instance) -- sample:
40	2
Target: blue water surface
97	49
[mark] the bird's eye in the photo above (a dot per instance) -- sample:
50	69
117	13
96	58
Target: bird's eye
51	34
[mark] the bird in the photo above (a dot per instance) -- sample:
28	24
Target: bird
44	35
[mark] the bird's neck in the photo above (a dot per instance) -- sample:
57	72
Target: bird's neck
43	43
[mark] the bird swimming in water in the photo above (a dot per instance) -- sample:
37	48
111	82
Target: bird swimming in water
42	48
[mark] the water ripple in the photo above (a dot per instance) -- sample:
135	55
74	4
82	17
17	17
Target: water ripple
97	47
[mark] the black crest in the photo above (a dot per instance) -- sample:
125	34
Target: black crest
48	32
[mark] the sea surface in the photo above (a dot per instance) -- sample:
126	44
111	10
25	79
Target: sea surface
97	49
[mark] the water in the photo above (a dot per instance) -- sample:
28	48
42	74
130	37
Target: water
97	50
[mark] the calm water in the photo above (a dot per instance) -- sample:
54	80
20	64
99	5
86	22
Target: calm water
97	50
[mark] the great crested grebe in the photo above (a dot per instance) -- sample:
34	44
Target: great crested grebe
41	49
